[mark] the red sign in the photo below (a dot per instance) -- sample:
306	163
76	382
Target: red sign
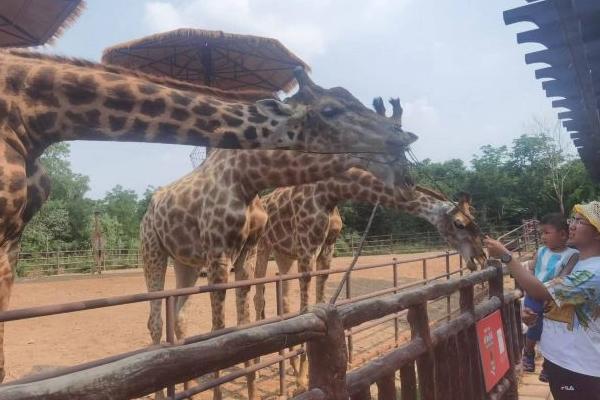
492	348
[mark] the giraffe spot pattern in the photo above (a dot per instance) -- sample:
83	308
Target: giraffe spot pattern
79	90
148	88
180	99
116	123
204	110
15	78
40	88
207	126
153	108
43	122
230	141
120	98
232	121
180	114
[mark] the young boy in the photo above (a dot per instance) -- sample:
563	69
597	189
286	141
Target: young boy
552	260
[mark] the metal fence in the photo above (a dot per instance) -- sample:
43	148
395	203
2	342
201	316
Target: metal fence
82	261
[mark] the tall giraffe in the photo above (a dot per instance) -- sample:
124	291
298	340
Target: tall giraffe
212	218
47	99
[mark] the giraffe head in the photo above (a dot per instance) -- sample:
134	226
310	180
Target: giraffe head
326	117
456	223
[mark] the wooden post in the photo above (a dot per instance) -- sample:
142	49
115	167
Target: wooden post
386	388
327	356
419	328
424	271
497	289
442	370
408	382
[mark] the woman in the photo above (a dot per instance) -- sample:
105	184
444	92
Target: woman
570	340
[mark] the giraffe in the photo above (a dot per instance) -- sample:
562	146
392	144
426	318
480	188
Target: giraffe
304	224
98	246
213	218
47	99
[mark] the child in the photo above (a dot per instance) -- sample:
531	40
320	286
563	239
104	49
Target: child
552	259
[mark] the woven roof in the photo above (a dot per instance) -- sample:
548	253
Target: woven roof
26	23
213	58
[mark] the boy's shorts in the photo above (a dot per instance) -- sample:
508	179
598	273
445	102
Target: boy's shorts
535	332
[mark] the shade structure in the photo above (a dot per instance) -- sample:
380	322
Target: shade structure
25	23
570	31
212	58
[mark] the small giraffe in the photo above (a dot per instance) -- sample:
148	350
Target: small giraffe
304	224
98	246
212	218
46	99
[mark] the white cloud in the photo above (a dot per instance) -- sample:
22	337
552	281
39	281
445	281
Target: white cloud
309	28
162	16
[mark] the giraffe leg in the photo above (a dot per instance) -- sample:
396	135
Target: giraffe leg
8	262
154	260
284	264
155	270
244	267
262	261
323	263
305	264
18	208
185	276
218	272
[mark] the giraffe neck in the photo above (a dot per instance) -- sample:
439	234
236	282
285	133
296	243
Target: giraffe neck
361	186
47	101
276	168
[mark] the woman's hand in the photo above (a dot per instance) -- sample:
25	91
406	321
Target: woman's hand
528	316
495	248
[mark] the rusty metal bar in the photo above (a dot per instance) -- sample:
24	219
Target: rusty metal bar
170	328
448	306
396	321
31	312
349	340
279	299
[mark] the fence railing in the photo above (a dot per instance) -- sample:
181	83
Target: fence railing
443	356
82	261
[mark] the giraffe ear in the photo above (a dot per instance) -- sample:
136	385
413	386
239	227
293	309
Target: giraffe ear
274	108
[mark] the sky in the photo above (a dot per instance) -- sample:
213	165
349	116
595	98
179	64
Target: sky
456	67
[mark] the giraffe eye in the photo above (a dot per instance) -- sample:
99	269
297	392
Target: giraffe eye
330	111
459	224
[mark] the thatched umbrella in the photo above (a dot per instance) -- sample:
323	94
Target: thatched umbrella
26	23
212	58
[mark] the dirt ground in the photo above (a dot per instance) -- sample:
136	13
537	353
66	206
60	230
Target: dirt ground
38	344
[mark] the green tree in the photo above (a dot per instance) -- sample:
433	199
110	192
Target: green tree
122	205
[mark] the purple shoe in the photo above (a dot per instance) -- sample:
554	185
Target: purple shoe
528	362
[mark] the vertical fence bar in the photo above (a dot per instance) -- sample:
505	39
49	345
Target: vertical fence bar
425	271
396	320
460	264
348	296
448	304
170	319
279	297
